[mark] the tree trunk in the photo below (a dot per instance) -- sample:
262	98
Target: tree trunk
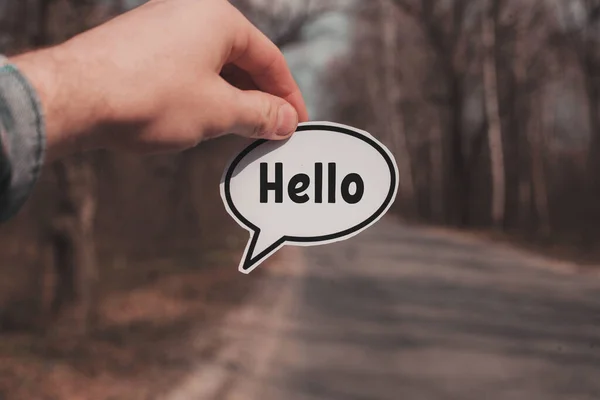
368	52
75	287
493	115
592	85
74	306
436	154
393	95
535	136
592	173
457	180
521	114
75	299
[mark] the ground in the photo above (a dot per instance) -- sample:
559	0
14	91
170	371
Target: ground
396	312
151	320
408	312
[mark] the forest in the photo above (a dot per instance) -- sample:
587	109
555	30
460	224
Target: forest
491	108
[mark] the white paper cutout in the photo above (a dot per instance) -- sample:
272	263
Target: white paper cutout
327	183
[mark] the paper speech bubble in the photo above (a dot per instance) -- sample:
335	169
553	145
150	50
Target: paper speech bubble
327	183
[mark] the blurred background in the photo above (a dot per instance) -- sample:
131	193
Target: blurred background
482	284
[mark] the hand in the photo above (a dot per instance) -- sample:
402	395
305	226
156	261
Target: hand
164	77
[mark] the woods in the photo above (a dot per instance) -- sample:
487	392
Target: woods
491	108
482	104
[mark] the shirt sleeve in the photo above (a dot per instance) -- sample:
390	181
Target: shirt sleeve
22	139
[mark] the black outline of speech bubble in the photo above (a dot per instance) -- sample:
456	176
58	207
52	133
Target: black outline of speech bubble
248	261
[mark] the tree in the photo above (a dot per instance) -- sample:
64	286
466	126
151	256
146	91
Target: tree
531	66
490	80
392	91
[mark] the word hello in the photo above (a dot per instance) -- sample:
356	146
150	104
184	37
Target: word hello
299	184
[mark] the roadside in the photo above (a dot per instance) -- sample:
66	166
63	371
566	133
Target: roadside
562	252
146	339
249	336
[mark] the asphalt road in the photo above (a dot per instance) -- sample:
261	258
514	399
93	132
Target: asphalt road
407	313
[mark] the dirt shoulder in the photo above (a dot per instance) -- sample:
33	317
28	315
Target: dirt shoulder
555	249
151	316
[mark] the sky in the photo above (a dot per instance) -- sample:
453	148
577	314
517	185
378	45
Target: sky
324	40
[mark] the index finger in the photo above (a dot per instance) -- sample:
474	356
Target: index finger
254	53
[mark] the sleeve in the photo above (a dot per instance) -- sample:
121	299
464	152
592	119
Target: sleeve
22	139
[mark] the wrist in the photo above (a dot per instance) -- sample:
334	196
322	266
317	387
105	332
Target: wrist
69	108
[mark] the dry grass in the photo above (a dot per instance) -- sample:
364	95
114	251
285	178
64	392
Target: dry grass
556	246
151	316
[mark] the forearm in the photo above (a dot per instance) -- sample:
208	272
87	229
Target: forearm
67	100
46	112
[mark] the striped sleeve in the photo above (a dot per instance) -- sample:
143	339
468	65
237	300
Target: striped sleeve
22	139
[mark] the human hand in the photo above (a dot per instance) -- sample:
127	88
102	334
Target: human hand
164	77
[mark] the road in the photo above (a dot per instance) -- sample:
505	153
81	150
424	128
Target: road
409	313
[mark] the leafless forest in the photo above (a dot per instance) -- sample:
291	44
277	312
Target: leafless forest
490	106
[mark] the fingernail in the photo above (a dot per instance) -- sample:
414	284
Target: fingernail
287	120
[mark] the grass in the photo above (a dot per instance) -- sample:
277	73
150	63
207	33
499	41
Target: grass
151	315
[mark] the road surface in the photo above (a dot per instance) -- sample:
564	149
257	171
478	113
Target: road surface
409	313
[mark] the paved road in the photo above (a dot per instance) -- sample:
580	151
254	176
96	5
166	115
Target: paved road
405	313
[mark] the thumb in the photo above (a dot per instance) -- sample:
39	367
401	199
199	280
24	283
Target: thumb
261	115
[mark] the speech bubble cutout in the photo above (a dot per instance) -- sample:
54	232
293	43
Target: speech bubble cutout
327	183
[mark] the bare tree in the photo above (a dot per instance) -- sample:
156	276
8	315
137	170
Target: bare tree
531	65
536	138
392	98
490	82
